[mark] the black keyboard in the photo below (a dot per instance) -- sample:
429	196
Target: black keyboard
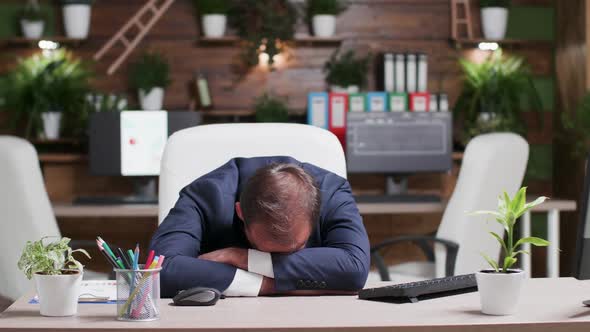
421	290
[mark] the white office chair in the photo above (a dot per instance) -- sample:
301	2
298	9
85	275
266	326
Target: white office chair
492	164
25	212
193	152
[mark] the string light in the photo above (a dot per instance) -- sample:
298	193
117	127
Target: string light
488	46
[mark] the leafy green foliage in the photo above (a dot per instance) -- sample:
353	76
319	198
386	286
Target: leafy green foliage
32	11
205	7
494	3
324	7
271	109
42	83
509	210
264	26
151	70
346	69
496	87
50	259
577	128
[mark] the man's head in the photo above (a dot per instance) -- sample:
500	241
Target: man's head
279	205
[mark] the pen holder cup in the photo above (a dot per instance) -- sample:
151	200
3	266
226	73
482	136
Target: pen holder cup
138	292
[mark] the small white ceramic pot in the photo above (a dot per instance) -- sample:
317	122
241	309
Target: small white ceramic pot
77	20
494	21
324	25
499	292
51	124
32	29
153	100
214	25
58	294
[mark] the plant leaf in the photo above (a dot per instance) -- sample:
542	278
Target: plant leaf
500	240
536	241
490	261
528	206
519	200
508	262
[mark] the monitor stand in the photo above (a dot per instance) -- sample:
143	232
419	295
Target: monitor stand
144	192
396	191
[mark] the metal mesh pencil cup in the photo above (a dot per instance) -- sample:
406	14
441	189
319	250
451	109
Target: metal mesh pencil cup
138	292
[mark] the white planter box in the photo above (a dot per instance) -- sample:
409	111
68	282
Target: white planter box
324	25
32	29
153	100
51	124
494	21
58	295
214	25
500	292
77	20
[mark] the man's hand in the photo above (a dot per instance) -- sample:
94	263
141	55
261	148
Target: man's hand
233	256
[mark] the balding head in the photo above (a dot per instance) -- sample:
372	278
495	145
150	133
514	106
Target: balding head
279	205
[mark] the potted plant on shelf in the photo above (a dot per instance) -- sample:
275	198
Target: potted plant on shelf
76	17
494	18
213	16
496	93
32	20
322	15
150	76
271	109
346	72
45	93
499	288
57	275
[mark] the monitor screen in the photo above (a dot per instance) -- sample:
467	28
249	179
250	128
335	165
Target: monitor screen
582	258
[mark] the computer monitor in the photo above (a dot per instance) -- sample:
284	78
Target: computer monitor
398	144
582	258
131	143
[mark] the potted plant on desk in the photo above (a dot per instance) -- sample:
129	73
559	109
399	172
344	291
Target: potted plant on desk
499	288
322	15
57	275
150	76
271	109
346	73
32	20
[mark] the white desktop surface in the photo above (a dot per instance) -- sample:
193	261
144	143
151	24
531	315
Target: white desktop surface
545	305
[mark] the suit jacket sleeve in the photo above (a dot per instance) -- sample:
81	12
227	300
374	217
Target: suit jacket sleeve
342	263
179	239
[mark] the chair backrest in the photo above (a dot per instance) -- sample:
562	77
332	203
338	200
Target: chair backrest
26	212
196	151
492	164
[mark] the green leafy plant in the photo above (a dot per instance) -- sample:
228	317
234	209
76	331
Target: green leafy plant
47	82
32	11
206	7
346	69
501	88
102	102
509	210
265	26
271	109
494	3
324	7
151	70
54	258
576	127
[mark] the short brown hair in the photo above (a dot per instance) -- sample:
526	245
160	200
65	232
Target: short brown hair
278	194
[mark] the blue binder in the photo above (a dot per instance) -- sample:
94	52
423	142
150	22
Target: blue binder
377	102
317	109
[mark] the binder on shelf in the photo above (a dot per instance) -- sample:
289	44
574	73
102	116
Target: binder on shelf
400	73
356	102
422	85
419	102
443	102
317	109
398	102
377	102
337	116
388	72
411	73
433	103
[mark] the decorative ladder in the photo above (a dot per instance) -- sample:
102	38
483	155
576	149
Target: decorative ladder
125	35
457	21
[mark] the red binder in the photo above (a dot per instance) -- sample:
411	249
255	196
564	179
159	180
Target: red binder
419	102
338	108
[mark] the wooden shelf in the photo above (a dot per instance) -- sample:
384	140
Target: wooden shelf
60	141
220	113
62	158
299	40
474	42
26	42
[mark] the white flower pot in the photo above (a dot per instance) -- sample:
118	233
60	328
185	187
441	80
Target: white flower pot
214	25
77	20
51	124
348	89
58	294
153	100
499	292
494	21
32	29
323	25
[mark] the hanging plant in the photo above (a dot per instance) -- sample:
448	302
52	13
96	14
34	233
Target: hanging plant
265	26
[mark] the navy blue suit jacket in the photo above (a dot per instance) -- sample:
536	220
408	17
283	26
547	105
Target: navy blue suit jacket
336	256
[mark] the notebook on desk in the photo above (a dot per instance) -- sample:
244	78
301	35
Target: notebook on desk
93	291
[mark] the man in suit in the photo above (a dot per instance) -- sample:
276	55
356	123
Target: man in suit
264	226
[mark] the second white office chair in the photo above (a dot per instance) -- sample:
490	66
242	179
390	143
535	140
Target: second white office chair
492	164
196	151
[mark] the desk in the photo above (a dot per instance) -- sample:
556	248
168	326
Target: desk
551	207
546	305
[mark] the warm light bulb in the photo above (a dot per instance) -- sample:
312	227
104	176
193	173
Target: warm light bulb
488	46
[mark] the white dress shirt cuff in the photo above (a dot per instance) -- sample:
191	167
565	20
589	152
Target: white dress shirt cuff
261	263
244	284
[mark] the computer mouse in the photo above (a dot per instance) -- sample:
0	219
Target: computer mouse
197	296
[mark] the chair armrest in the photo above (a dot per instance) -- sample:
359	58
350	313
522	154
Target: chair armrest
422	241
